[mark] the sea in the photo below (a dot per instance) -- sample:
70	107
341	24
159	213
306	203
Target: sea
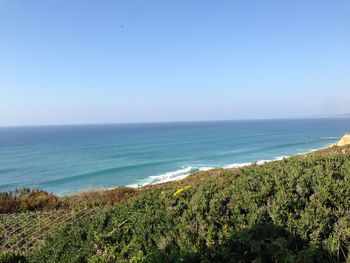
73	158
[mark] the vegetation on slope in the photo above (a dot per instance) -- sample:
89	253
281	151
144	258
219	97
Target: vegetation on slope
33	200
295	210
24	200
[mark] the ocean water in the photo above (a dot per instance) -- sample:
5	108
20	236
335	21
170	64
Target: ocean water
68	159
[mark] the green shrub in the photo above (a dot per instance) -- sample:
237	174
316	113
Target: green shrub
24	200
12	258
295	210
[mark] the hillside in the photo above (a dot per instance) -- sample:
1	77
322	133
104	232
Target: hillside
294	210
344	141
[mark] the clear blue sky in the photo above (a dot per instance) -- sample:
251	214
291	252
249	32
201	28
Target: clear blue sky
147	61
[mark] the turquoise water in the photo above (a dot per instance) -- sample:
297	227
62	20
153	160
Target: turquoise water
67	159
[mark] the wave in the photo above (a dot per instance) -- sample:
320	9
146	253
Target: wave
8	170
236	165
282	157
259	162
330	137
314	149
262	149
166	177
203	169
104	171
186	171
178	174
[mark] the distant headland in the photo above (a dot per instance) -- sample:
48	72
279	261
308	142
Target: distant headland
345	140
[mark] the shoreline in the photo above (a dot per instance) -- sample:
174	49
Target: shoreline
252	194
329	148
204	168
332	148
185	172
108	157
33	200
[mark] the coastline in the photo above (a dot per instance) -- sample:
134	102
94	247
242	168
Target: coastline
217	192
96	157
188	171
185	172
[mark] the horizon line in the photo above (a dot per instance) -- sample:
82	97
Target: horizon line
337	116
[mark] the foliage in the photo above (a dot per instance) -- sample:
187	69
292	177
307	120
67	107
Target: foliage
295	210
12	258
27	200
22	200
24	232
93	198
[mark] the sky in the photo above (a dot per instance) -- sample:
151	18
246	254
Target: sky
74	62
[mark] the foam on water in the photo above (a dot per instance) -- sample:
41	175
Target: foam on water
206	168
236	165
184	172
68	159
166	177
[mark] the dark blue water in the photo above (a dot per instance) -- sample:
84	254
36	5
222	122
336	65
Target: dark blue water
66	159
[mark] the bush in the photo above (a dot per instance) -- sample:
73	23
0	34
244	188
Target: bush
24	200
27	200
12	258
295	210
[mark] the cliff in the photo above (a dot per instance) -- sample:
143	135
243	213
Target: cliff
345	140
